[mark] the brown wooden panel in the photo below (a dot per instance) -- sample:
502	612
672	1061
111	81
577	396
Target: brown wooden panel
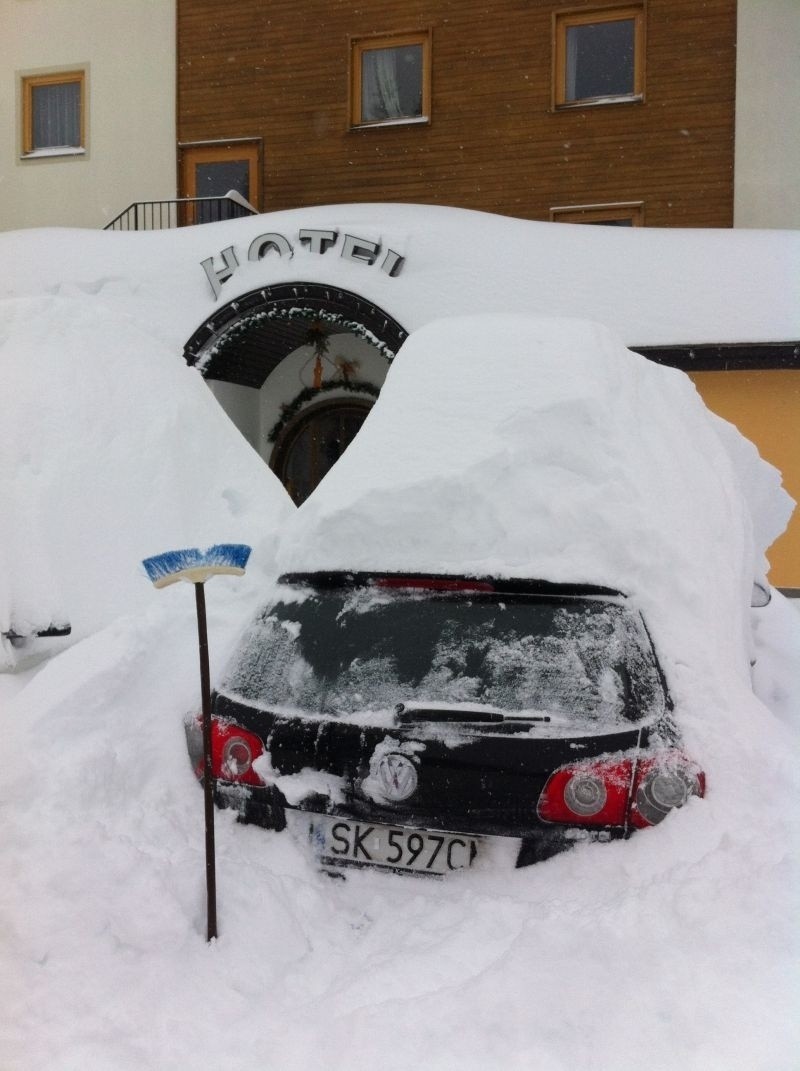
279	71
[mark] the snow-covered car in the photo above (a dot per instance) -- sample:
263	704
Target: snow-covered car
428	723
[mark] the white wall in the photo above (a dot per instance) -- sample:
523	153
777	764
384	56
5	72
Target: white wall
242	404
767	175
128	49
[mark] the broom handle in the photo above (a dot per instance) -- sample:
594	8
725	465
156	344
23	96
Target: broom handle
208	774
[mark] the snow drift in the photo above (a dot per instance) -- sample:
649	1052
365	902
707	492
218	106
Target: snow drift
112	451
102	317
570	460
676	949
654	286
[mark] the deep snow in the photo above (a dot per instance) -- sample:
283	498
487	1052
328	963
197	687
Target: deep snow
112	451
575	461
92	323
652	286
676	949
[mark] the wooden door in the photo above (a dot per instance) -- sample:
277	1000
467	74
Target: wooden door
314	442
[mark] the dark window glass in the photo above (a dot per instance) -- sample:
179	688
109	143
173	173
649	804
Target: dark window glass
217	178
600	59
365	650
391	83
57	115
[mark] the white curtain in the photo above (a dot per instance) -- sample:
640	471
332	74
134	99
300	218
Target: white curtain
57	115
380	85
572	62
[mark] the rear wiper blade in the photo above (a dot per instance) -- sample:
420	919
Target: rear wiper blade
410	712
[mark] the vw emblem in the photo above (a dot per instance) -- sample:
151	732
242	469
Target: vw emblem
395	777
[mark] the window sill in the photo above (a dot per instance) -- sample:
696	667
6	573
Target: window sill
594	102
417	120
56	150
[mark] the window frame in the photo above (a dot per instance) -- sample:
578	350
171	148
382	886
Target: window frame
217	151
372	42
29	82
600	213
562	20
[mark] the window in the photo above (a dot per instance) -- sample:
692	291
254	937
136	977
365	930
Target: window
54	113
350	649
629	214
390	79
599	56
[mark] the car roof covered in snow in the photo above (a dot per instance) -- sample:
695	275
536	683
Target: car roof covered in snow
573	461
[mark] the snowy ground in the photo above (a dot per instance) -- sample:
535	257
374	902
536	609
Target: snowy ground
673	950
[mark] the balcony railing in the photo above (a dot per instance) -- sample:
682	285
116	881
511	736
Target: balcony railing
180	212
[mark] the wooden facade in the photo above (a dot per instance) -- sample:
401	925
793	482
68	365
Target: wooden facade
269	83
279	71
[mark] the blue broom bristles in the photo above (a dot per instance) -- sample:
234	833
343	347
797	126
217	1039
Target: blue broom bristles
174	562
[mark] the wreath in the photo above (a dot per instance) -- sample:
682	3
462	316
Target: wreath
292	408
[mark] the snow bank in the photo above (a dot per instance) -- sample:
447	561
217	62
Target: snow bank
570	459
676	949
776	673
92	326
652	286
112	450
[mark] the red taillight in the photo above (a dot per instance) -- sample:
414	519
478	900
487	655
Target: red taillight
597	793
587	793
663	783
233	752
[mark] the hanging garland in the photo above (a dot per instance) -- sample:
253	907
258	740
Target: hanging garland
292	408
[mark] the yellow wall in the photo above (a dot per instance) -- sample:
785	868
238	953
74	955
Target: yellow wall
765	406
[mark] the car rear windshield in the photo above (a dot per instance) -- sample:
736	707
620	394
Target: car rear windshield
355	651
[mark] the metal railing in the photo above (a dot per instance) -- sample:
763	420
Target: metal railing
180	212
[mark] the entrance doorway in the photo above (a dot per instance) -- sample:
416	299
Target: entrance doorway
297	367
216	169
314	442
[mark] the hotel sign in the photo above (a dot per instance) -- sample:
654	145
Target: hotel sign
316	241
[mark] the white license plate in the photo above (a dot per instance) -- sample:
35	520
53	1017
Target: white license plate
348	842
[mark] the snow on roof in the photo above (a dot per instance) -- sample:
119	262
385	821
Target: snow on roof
651	286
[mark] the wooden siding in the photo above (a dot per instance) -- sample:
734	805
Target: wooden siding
279	70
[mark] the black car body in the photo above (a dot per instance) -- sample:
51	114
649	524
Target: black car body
407	722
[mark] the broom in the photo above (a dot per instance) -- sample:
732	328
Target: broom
196	566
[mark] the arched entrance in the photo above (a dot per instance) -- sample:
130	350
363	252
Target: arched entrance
297	367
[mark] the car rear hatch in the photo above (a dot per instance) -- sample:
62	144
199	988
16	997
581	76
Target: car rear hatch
484	688
483	778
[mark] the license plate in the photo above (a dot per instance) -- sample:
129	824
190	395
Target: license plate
346	842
